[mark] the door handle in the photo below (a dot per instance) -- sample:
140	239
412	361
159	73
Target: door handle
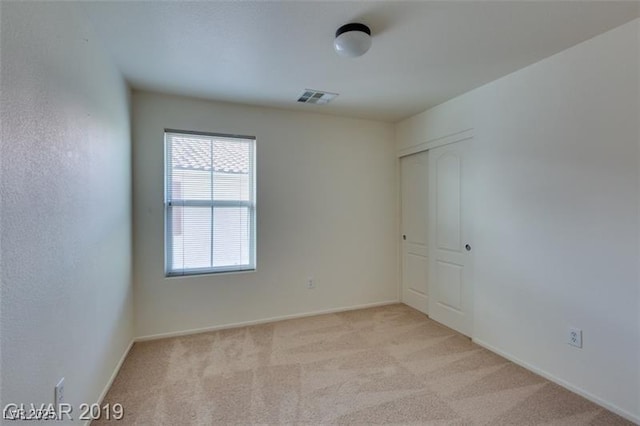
404	237
467	247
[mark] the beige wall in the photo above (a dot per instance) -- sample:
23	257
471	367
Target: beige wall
327	208
556	152
65	227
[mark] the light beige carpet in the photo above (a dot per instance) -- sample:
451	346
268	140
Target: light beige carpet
386	365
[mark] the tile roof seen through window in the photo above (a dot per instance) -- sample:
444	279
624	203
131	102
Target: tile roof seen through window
226	156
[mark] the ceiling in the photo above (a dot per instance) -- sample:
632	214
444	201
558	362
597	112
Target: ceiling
267	53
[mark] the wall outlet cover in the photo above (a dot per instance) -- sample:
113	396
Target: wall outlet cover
59	392
574	337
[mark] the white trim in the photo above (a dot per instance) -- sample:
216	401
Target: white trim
435	143
399	240
116	370
261	321
573	388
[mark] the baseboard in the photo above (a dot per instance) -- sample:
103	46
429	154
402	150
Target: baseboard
261	321
597	400
116	370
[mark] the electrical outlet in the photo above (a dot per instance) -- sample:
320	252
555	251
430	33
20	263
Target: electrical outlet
59	393
574	337
311	284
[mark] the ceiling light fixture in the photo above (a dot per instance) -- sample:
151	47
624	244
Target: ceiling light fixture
352	40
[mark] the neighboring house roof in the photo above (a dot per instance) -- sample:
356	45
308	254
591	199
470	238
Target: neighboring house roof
203	154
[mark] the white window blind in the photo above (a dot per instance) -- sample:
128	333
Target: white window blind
210	208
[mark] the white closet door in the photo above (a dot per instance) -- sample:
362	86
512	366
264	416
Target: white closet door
415	261
451	266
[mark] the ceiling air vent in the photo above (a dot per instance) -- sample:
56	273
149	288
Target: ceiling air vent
311	96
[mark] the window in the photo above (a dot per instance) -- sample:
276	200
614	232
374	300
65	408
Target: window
210	203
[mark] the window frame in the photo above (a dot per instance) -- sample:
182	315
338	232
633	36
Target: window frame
169	203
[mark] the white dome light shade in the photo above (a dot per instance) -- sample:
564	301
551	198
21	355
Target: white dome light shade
352	40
